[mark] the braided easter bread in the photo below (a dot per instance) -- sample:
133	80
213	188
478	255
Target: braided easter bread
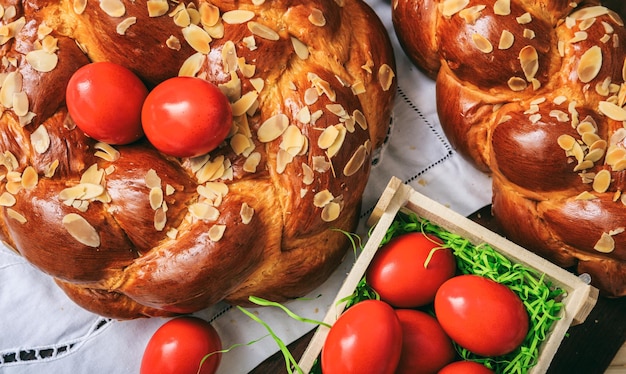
533	92
127	231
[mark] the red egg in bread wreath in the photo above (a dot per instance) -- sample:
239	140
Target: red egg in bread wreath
186	117
104	99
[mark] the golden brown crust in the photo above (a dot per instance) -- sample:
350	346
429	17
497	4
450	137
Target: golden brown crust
251	219
526	91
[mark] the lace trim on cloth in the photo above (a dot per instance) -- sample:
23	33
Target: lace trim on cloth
52	351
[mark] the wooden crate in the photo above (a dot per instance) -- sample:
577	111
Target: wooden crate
580	299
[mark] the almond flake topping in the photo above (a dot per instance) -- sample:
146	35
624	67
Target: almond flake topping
585	195
331	211
506	40
157	8
612	111
602	181
334	148
385	77
79	6
262	31
482	43
11	85
81	230
209	14
246	213
241	106
114	8
156	198
236	17
524	19
252	162
10	30
471	14
106	152
307	174
317	18
40	139
529	59
197	38
125	24
606	244
41	60
590	64
356	161
16	216
517	84
30	178
182	18
322	198
160	218
579	36
502	7
302	51
273	127
293	141
589	12
7	200
204	212
216	232
451	7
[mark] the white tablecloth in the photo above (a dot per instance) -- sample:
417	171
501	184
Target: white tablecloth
42	331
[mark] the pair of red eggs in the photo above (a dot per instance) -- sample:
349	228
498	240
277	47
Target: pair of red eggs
181	117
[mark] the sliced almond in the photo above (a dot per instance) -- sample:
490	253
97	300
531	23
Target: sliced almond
301	49
13	214
602	181
216	232
385	77
502	7
204	212
160	218
590	64
123	26
452	7
356	161
529	60
307	174
317	17
246	212
612	111
42	61
273	127
40	139
247	100
252	162
331	212
197	38
606	244
157	8
7	200
238	16
262	31
506	40
114	8
81	230
156	198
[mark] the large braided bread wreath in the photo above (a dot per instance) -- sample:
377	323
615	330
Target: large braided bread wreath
127	231
533	92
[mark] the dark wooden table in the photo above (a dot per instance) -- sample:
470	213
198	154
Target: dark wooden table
588	348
